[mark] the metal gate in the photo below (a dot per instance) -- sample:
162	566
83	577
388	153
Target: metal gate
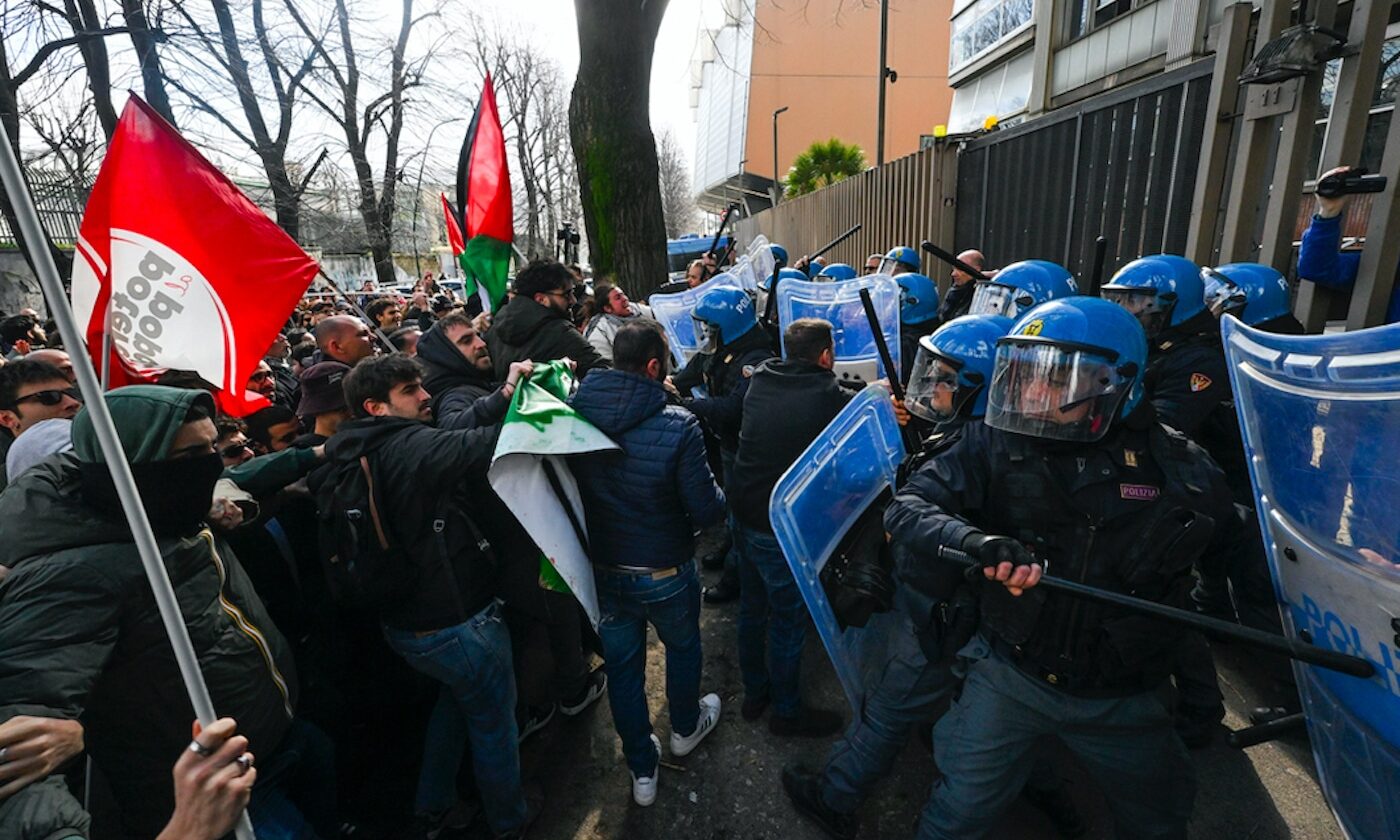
1121	164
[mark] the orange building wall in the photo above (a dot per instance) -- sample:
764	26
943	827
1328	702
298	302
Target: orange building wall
824	67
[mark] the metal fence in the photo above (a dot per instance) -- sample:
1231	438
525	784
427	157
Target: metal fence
1121	165
60	204
900	203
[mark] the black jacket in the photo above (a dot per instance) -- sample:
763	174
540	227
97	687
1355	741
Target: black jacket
524	329
1110	514
725	376
1189	385
957	301
459	390
81	638
788	404
645	503
440	507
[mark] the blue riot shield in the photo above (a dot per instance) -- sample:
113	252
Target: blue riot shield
673	312
760	256
817	501
1320	415
856	356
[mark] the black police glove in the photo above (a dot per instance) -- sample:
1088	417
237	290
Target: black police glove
993	550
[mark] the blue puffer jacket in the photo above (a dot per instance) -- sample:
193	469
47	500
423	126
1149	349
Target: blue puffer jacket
643	504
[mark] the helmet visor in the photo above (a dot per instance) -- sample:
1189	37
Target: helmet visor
1052	392
706	336
894	268
998	299
1222	295
1144	304
934	392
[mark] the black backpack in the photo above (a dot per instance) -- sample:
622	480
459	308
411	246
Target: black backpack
365	567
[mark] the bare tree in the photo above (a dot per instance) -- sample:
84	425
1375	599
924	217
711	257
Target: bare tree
72	139
276	88
345	100
677	203
145	39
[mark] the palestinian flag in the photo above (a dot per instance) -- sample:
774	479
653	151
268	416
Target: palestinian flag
454	229
530	474
483	194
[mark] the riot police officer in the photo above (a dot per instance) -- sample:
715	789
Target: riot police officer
918	316
835	273
1072	470
1256	294
733	347
901	259
1020	286
930	622
1189	386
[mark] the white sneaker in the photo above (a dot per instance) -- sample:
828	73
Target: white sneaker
644	788
709	719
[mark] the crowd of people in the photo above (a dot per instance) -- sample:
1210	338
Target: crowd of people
370	616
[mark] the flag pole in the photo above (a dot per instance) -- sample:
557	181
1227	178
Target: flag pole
95	401
107	347
388	345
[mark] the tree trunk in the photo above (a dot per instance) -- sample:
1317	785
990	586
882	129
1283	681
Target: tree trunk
9	133
613	145
152	74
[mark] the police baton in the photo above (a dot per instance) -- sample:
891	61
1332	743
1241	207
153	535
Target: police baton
1332	660
1096	274
833	243
714	243
911	440
952	260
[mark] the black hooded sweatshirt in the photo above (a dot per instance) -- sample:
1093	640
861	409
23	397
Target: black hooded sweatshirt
463	397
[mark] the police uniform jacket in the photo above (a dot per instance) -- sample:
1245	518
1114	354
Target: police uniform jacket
725	375
1128	514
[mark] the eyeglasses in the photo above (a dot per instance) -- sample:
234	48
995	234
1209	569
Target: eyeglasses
233	450
52	396
260	376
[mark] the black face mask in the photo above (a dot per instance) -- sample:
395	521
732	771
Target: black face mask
177	494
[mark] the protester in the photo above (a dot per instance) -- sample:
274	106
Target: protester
278	359
23	334
614	310
535	323
107	660
787	405
405	340
272	429
443	619
643	506
58	358
322	402
262	382
385	313
344	339
32	391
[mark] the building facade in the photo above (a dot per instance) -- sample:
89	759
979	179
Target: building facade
820	60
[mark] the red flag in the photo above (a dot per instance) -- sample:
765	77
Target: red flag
198	278
454	230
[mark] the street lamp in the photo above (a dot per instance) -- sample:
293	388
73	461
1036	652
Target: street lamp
777	183
418	193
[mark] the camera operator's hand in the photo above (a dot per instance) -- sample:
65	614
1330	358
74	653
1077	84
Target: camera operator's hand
1004	560
1328	208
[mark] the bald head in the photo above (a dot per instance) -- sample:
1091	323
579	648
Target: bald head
344	339
973	258
57	358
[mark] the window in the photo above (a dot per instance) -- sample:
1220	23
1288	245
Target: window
1382	107
980	25
1084	16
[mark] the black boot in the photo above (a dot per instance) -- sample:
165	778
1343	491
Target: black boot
802	788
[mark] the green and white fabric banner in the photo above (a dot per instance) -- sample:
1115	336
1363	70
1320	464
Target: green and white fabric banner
530	474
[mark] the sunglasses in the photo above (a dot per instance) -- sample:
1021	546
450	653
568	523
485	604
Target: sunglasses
51	397
260	376
234	450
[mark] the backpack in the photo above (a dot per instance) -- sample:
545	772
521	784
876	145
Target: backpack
365	568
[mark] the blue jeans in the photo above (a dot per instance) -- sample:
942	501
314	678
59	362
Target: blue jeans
772	621
906	691
294	798
672	605
985	745
472	660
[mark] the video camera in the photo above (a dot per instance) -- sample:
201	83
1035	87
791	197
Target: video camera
1351	182
568	240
